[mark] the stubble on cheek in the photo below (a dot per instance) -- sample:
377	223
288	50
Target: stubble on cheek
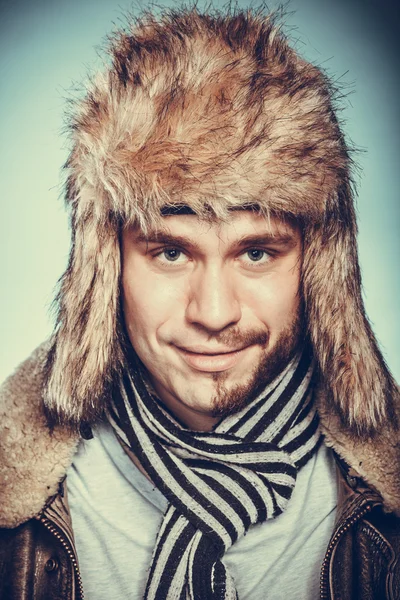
229	400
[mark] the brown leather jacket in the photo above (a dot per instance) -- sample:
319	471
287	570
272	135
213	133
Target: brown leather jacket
38	559
37	553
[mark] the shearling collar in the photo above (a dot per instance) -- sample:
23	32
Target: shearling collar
34	459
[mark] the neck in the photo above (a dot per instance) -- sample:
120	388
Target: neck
189	416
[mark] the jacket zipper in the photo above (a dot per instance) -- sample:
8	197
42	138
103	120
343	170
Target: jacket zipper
345	526
56	532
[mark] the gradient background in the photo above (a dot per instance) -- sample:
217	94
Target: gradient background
47	45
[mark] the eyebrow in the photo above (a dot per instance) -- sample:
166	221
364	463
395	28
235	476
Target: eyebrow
286	239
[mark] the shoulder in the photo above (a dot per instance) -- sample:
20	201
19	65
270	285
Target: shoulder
33	457
25	382
375	458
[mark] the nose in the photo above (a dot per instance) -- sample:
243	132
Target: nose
213	301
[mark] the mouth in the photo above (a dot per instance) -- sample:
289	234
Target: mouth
211	362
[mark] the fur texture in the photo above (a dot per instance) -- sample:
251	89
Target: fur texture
212	112
33	459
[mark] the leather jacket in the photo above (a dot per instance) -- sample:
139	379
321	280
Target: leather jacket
39	562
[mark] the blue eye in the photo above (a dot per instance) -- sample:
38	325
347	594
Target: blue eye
255	254
172	254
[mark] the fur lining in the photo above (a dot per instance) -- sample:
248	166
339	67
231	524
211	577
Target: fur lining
375	459
214	112
33	459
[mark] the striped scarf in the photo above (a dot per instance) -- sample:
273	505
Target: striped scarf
217	483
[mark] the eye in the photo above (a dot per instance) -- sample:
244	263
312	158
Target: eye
171	254
255	254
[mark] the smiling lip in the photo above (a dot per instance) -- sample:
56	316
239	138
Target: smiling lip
211	362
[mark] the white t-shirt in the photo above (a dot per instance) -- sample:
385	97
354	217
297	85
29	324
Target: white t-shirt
116	514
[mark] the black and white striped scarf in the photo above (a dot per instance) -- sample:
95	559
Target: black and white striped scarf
217	483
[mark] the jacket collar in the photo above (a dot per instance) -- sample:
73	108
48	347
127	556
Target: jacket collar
34	459
374	460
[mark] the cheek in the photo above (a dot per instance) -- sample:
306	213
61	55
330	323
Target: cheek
148	300
275	300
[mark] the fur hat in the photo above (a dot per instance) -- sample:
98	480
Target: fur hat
212	111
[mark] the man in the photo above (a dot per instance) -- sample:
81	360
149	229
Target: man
212	417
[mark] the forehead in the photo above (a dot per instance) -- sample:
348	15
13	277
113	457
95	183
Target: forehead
240	223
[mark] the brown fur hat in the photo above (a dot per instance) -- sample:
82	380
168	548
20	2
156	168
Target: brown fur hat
212	111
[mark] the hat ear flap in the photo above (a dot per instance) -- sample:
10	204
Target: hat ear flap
352	367
86	350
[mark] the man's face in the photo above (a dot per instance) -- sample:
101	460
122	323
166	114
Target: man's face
212	310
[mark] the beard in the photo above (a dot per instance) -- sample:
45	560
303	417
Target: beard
227	401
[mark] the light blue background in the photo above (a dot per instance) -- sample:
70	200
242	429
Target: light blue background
46	46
